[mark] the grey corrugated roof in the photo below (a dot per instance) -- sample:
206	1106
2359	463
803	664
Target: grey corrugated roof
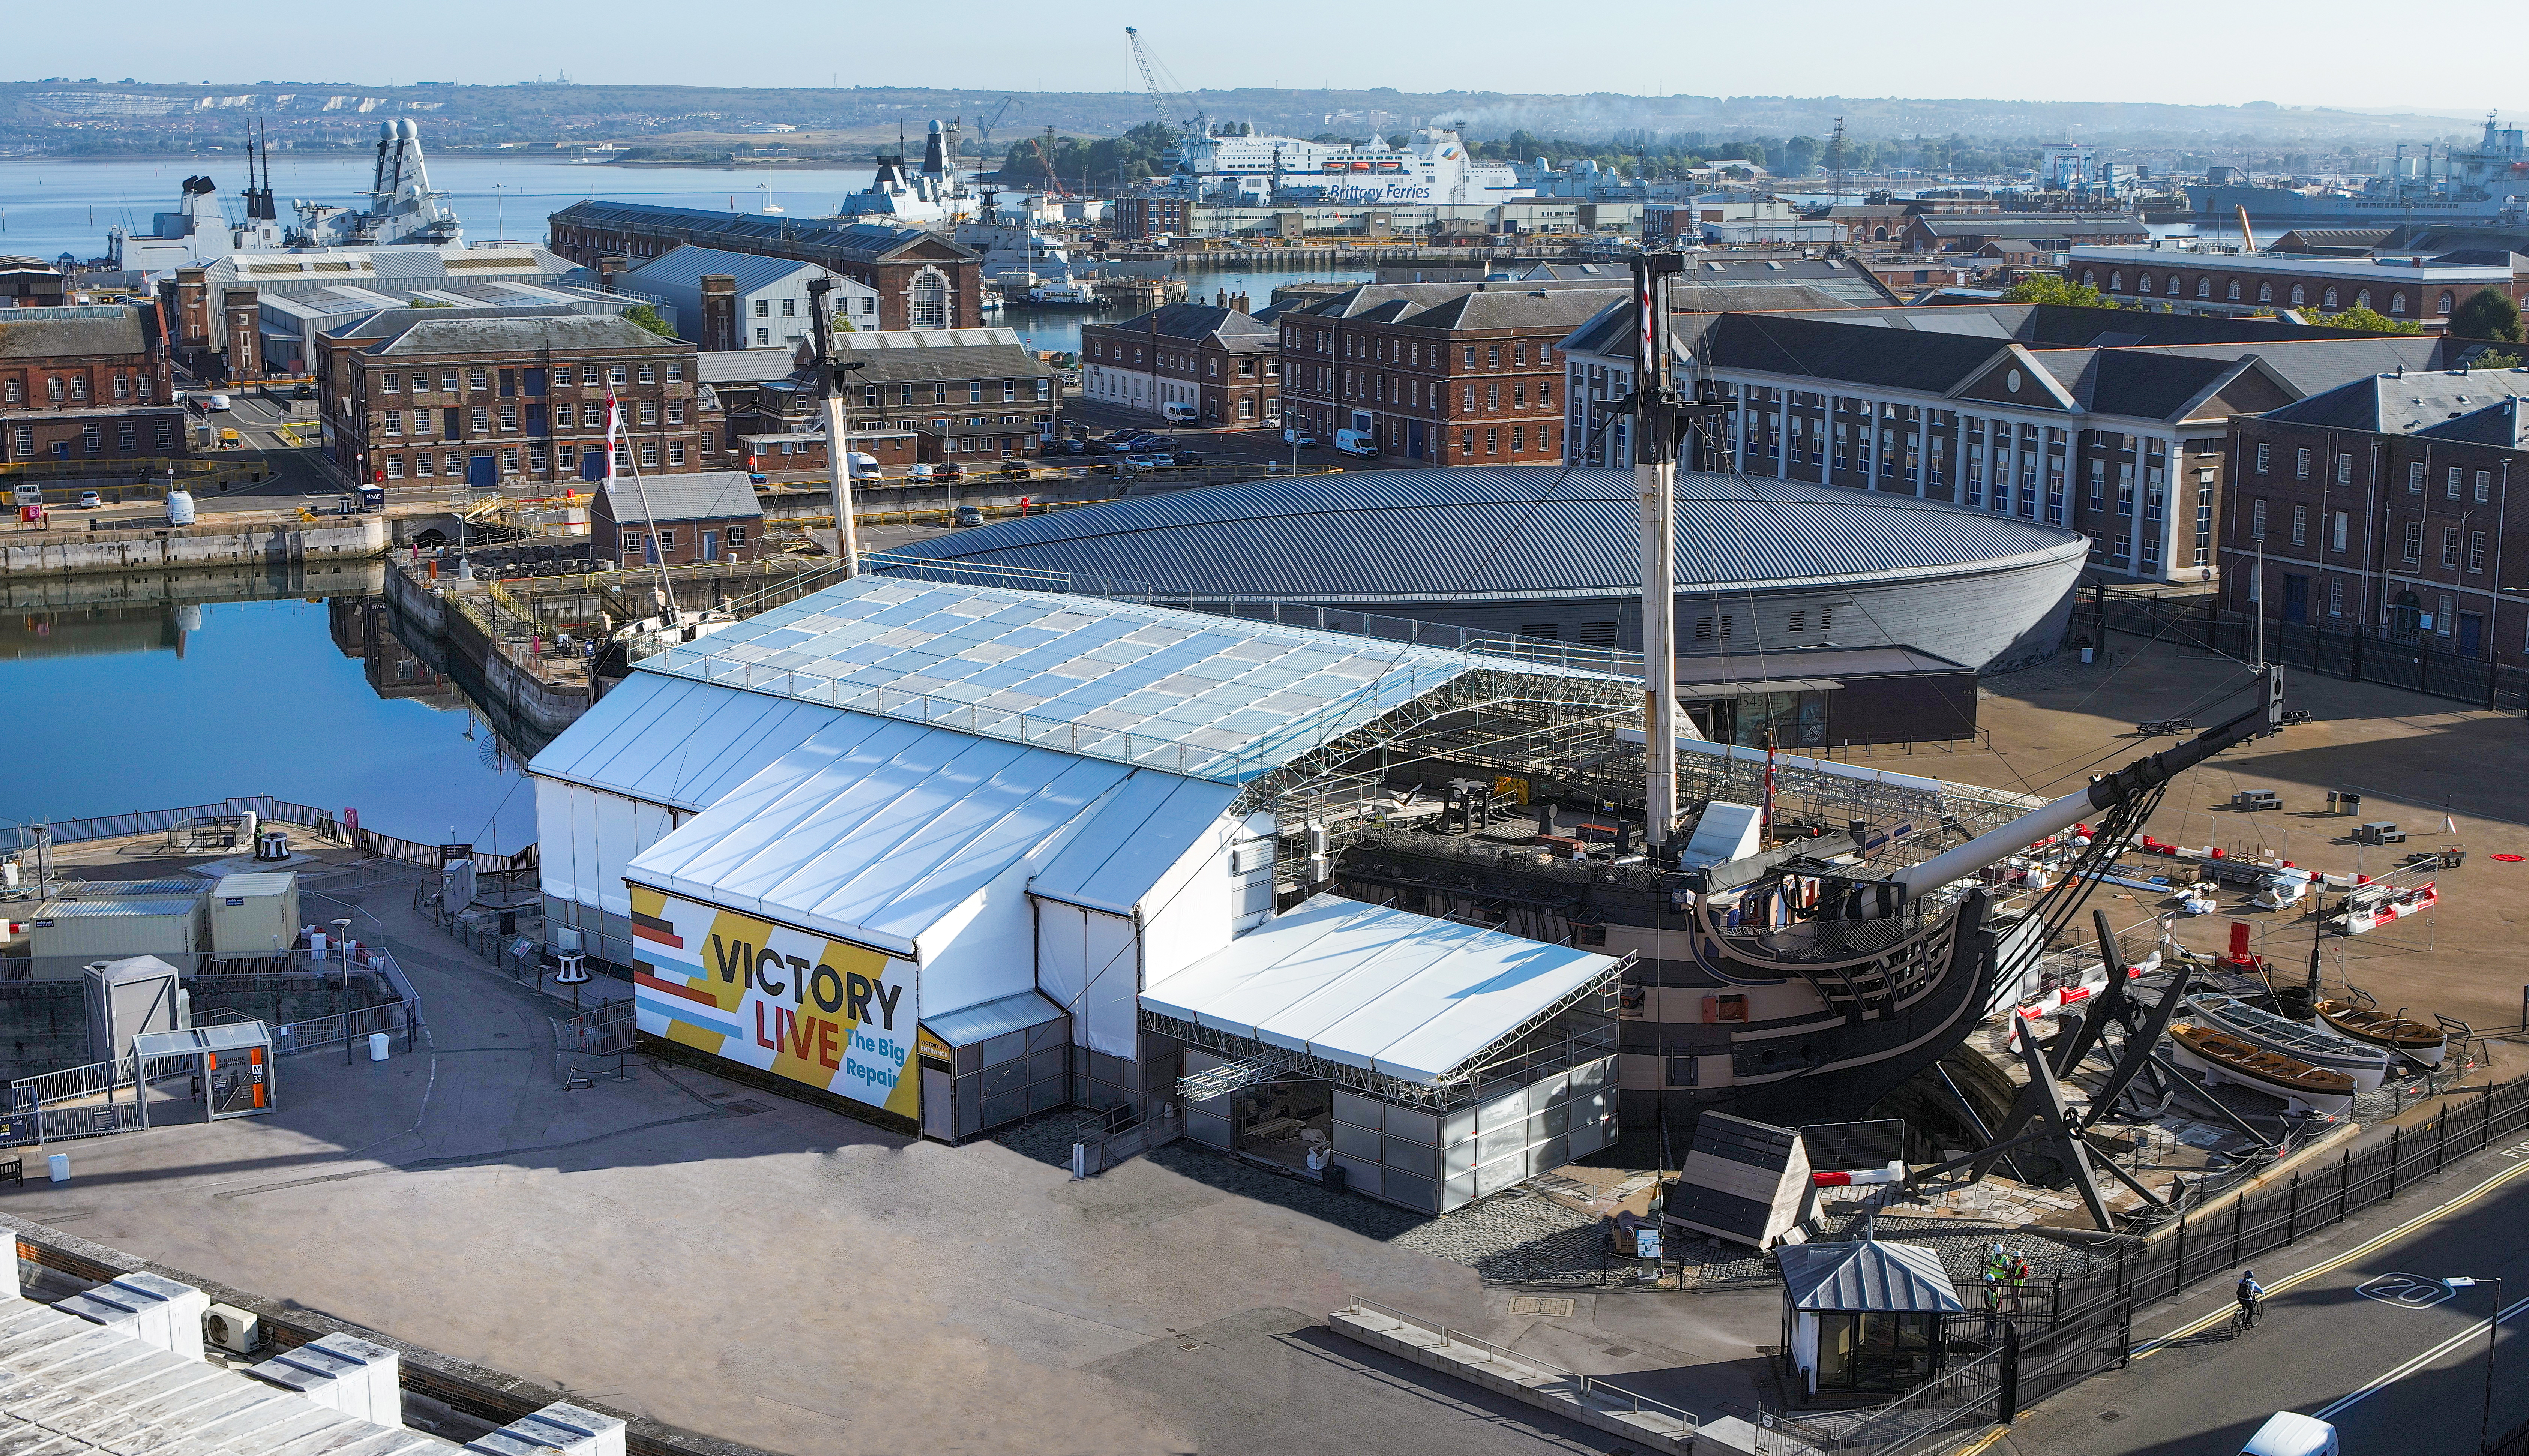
709	495
1905	1278
1513	532
683	266
77	329
801	238
743	365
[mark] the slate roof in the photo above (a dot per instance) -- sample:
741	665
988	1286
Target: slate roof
2421	400
709	495
438	331
2501	423
77	329
1195	323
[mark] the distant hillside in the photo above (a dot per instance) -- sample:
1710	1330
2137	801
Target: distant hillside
100	116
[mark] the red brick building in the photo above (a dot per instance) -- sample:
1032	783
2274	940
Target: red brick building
676	520
922	280
2399	286
1216	360
1445	373
2381	507
973	396
409	395
1138	219
87	384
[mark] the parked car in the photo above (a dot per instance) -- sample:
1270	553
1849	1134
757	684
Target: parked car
1184	458
91	501
1075	446
303	392
1142	460
1179	413
948	470
1360	444
219	403
970	515
1300	438
919	471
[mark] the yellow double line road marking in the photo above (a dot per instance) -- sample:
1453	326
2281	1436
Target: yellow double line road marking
2147	1349
2370	1245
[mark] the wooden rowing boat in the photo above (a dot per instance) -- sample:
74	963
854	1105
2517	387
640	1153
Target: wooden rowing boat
2366	1062
2410	1039
2223	1057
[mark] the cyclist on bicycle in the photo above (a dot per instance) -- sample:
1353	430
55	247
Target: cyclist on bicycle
2250	1291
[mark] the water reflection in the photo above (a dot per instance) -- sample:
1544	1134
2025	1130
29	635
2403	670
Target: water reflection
167	688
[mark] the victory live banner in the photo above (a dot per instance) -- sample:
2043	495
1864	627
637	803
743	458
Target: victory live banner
830	1014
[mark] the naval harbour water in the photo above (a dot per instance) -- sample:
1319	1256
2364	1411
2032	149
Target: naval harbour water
182	697
153	704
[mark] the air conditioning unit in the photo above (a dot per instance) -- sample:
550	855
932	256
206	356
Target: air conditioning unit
232	1330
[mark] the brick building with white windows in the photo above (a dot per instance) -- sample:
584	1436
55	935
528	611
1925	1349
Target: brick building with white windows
1214	359
2114	423
971	397
922	280
86	384
2382	508
2400	285
1445	373
423	395
727	301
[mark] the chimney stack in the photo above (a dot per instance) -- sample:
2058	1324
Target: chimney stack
719	312
609	267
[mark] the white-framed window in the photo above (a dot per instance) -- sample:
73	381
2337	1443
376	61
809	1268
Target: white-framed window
2344	468
2256	519
2265	456
2414	477
2300	525
2300	464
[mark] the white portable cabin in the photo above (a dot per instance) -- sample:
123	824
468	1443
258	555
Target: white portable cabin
255	915
65	936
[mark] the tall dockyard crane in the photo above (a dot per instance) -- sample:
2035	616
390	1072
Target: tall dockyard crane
1044	154
1167	94
984	124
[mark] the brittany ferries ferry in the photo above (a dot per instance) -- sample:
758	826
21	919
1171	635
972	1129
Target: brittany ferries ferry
1431	167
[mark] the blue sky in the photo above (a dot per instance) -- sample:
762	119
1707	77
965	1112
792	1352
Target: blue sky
2140	50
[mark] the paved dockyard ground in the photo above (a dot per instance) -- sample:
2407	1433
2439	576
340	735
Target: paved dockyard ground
730	1262
2408	755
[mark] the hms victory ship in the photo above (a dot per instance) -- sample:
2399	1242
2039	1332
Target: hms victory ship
1799	943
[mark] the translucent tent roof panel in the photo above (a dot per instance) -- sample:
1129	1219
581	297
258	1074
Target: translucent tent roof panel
1135	839
875	829
668	741
1370	987
1200	695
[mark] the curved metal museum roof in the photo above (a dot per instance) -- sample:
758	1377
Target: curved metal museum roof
1501	533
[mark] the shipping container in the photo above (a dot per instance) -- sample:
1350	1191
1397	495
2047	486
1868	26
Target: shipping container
65	936
255	915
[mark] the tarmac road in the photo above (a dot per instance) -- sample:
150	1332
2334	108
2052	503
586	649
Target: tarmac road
2357	1332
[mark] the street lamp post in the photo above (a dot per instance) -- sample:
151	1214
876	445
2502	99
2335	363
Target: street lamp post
2493	1328
342	945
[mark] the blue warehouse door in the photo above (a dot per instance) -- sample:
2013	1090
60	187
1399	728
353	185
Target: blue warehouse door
1414	440
481	473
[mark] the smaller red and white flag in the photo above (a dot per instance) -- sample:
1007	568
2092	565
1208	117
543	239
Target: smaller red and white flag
614	432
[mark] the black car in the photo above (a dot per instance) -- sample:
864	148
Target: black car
303	392
1075	446
1185	458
